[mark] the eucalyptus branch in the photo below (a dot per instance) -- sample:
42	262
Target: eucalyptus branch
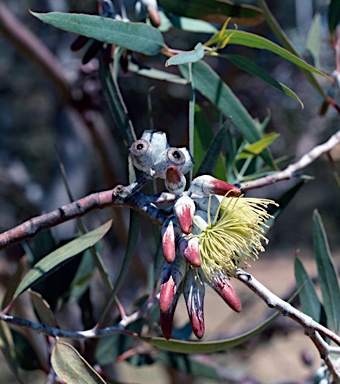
312	328
290	171
87	334
128	196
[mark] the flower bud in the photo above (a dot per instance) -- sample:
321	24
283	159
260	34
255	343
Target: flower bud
220	283
184	209
194	291
167	317
175	181
171	278
170	231
189	249
206	185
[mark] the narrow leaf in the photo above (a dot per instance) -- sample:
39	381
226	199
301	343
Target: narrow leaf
213	88
188	24
255	41
286	43
252	68
196	347
313	39
255	149
203	136
61	256
329	282
213	152
187	57
138	37
309	300
43	310
71	367
214	11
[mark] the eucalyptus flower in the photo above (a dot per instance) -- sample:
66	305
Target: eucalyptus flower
213	231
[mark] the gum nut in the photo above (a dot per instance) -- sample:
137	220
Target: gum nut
175	181
142	155
167	318
170	231
190	250
184	209
189	162
158	141
206	185
199	222
194	291
171	278
222	286
171	156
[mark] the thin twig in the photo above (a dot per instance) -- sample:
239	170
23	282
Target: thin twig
312	328
128	196
87	334
290	171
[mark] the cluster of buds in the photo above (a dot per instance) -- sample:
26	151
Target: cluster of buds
211	231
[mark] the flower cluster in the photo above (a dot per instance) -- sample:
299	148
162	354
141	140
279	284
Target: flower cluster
213	230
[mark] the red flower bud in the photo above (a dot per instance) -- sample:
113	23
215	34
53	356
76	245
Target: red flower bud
184	209
170	231
221	284
167	318
206	185
194	291
172	276
189	249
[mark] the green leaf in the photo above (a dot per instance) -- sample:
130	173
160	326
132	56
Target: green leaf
117	107
333	16
43	310
188	24
61	256
138	37
213	152
187	57
214	11
255	149
255	41
213	88
202	138
309	300
71	367
250	67
313	39
329	282
156	74
286	43
197	347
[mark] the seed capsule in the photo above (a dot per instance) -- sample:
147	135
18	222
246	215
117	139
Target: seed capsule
175	181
